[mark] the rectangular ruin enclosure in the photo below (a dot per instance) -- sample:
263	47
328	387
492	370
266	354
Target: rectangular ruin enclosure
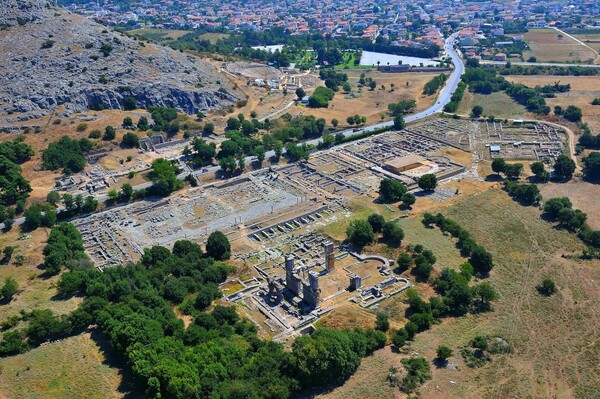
260	205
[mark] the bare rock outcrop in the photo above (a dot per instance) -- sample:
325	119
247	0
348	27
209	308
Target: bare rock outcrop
55	62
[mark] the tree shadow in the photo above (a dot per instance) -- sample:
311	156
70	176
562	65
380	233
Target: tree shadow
493	178
440	363
129	386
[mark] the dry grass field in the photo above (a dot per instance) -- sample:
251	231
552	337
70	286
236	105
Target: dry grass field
555	340
591	39
76	367
498	104
547	47
374	103
35	290
583	90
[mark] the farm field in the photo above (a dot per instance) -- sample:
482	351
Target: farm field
374	103
526	249
498	104
547	47
583	90
591	39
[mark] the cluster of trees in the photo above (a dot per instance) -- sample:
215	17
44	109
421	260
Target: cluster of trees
66	153
591	166
130	140
39	215
74	205
14	188
421	258
356	119
564	167
434	84
596	101
164	178
547	70
480	259
457	96
333	80
218	355
64	248
17	151
321	97
527	194
560	209
165	119
402	107
392	190
124	194
587	139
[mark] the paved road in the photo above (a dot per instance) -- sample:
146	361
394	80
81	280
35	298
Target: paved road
539	64
443	99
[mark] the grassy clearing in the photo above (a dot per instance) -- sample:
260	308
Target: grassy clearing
498	104
34	290
555	339
72	368
160	34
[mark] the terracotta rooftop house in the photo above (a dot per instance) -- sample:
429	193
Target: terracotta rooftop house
500	57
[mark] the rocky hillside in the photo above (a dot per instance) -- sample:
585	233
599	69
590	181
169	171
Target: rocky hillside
55	62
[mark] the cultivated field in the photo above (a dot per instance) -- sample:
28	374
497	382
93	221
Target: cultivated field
498	104
591	39
374	103
555	339
547	47
583	90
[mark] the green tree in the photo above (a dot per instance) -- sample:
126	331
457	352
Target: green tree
427	182
164	177
553	206
391	190
408	200
130	140
376	221
499	165
547	287
513	171
143	124
126	191
443	352
33	218
209	128
404	262
334	122
399	338
127	122
109	133
9	289
399	123
381	322
485	293
573	114
218	246
300	93
360	233
540	172
259	153
53	198
392	233
477	111
113	194
564	167
481	260
592	165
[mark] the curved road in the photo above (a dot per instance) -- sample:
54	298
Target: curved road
443	99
